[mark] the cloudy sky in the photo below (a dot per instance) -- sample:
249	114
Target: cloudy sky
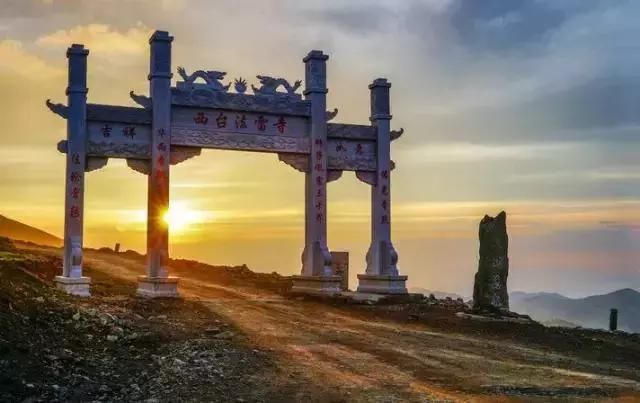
527	106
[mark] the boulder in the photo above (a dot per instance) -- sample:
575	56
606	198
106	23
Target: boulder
490	287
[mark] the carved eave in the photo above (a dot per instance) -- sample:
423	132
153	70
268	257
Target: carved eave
142	166
395	134
180	154
95	163
298	161
332	114
141	100
333	175
368	177
204	97
59	109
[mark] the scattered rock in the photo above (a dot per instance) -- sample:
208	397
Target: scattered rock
112	337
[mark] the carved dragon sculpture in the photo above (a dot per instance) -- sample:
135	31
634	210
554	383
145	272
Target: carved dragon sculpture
271	84
211	77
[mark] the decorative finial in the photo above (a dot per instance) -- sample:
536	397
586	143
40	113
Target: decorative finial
395	134
332	114
58	109
240	85
141	100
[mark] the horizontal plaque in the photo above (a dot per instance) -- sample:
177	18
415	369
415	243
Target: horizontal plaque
118	140
351	155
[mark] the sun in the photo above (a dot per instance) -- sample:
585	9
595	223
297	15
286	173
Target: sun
180	217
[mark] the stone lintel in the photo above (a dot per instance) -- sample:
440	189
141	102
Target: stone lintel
382	284
74	285
158	287
317	285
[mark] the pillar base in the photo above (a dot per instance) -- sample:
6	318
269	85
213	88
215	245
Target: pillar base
382	284
158	287
74	285
317	285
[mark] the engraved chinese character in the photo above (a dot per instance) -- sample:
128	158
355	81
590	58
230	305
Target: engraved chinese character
75	158
319	217
221	121
161	160
318	142
385	190
319	205
241	121
318	167
359	149
106	130
161	132
75	177
384	204
200	118
384	174
319	180
318	154
129	131
384	219
75	192
319	193
74	212
261	123
162	147
281	124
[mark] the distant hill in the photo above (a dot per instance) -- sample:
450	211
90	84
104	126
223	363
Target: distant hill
16	230
590	312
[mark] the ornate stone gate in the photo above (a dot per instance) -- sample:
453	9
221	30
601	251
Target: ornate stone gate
175	123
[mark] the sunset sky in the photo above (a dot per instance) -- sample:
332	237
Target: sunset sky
528	106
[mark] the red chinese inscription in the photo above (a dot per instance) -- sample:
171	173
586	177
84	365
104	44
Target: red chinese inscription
200	118
75	177
106	130
75	192
261	123
241	121
74	212
221	121
162	147
129	131
281	124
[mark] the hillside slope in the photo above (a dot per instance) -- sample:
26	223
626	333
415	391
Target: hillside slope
591	311
296	349
16	230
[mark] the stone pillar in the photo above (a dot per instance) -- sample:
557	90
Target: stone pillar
317	276
72	280
381	274
157	283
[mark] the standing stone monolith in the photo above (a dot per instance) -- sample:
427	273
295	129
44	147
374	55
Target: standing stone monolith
490	288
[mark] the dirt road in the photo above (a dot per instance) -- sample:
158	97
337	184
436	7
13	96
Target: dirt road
354	354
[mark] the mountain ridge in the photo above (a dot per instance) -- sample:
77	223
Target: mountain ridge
18	231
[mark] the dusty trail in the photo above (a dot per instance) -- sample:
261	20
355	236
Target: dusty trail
366	358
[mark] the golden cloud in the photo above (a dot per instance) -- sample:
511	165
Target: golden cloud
101	39
15	60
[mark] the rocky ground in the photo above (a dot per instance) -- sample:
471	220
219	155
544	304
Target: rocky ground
114	346
237	336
